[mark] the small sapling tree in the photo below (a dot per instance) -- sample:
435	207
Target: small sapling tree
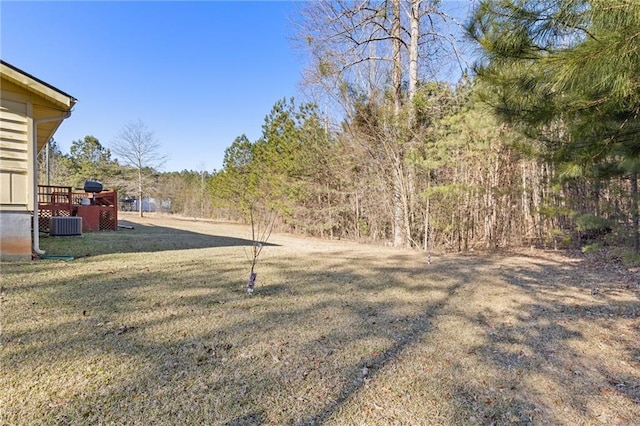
262	220
241	185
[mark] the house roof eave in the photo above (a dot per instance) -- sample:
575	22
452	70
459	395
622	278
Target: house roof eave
37	86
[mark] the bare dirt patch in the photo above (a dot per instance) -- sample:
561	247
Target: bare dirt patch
152	326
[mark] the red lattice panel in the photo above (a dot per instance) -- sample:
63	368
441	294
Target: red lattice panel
108	219
44	215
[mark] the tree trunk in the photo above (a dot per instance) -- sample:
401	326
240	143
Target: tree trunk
398	210
634	211
399	238
397	60
414	19
140	191
426	225
406	208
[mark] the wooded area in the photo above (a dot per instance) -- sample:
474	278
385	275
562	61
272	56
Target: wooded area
537	144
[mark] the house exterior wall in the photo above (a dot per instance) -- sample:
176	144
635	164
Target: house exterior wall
15	156
23	99
16	178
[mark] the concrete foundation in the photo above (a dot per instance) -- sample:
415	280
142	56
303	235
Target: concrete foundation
15	235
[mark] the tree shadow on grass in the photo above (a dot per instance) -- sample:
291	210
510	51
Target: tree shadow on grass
243	350
254	418
571	310
186	358
141	238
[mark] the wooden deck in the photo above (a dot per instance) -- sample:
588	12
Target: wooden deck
99	210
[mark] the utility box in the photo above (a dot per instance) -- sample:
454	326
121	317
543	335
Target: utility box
65	226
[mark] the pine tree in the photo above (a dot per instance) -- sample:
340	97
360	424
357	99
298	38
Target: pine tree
572	65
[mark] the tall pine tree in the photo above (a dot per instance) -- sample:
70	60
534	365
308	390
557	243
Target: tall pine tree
569	64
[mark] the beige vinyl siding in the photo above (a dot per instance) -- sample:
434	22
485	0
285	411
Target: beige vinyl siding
14	155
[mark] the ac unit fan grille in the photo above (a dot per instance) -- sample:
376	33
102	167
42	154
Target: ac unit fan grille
65	226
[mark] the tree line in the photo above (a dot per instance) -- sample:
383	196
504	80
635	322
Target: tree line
536	144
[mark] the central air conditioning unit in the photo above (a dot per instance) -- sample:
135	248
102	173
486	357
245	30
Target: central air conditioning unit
65	226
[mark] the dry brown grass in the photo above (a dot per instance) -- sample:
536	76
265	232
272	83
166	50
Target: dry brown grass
152	326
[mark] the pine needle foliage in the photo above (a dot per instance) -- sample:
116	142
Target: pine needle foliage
570	68
577	61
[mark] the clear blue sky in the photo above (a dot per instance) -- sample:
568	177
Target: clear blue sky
198	74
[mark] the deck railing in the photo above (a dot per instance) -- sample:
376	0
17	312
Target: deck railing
62	201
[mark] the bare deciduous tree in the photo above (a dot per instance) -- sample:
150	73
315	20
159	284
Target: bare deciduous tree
136	146
360	54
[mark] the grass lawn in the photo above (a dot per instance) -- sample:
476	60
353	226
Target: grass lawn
152	326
